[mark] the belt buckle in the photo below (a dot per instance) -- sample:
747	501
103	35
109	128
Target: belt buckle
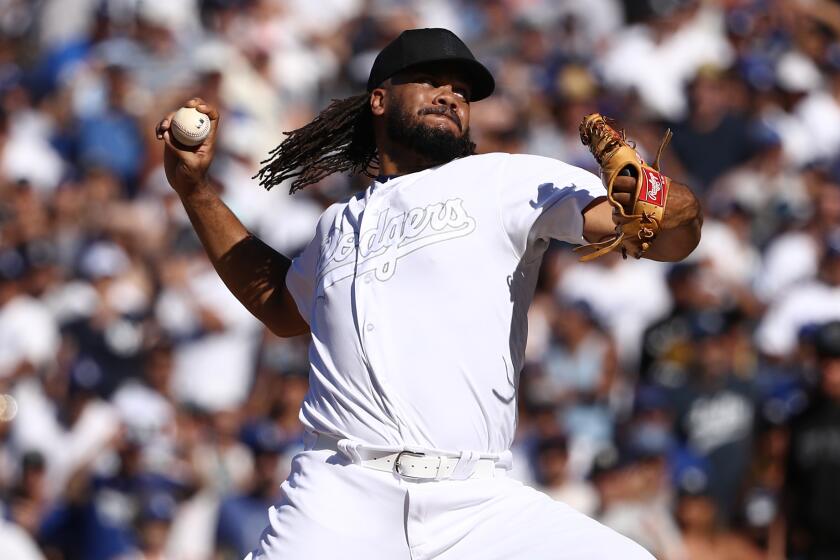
397	463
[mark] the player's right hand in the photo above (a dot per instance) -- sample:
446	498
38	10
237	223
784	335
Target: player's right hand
186	167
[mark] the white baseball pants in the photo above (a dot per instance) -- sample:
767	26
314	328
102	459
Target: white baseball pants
333	509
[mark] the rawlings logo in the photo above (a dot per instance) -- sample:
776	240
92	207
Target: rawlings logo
394	236
654	187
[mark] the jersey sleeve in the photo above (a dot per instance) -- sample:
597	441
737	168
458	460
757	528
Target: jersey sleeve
300	278
543	198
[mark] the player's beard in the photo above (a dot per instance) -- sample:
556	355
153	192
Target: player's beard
432	143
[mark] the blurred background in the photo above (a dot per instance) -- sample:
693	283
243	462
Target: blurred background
144	414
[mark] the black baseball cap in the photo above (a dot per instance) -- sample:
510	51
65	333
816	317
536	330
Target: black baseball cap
420	46
827	340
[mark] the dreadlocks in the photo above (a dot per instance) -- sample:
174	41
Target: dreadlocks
339	139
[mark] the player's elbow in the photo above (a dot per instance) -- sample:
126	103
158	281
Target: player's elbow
677	243
287	329
280	315
681	228
691	229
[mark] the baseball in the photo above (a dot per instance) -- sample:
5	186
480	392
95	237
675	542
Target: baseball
8	408
189	126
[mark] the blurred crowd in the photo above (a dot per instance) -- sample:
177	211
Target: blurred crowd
144	414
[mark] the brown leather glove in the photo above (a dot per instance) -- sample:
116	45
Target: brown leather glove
637	225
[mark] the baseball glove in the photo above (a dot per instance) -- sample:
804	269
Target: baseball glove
636	227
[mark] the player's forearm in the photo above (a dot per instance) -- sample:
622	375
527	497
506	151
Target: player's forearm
217	227
681	226
254	272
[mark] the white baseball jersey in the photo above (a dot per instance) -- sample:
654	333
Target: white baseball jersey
416	292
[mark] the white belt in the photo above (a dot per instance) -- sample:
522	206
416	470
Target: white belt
415	464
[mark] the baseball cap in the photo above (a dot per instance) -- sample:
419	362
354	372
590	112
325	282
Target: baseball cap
827	340
832	244
613	458
12	265
86	376
710	323
690	472
680	272
651	398
796	72
263	438
104	260
420	46
158	506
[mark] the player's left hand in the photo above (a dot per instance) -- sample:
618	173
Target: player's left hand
636	190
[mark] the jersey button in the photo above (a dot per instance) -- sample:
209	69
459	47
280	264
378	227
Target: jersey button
368	279
369	327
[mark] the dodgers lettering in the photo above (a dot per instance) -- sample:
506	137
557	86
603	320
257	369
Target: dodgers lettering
393	237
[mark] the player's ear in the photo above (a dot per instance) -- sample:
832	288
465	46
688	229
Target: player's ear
377	101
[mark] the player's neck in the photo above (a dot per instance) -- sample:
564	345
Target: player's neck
395	161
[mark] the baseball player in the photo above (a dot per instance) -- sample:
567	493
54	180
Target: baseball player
415	292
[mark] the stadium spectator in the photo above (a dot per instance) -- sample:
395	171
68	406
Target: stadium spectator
812	488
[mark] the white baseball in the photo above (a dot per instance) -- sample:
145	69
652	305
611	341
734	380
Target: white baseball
8	408
189	126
